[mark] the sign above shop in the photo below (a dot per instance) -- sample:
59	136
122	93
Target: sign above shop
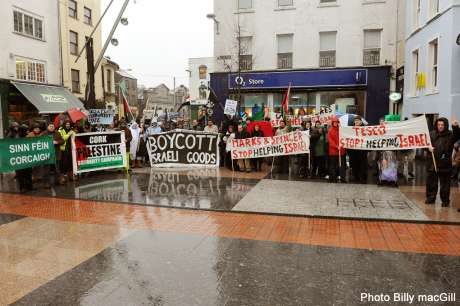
299	79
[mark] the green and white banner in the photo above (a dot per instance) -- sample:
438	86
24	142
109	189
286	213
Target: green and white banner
23	153
98	151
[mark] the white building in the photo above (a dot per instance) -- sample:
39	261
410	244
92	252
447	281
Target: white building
30	62
199	70
343	52
432	69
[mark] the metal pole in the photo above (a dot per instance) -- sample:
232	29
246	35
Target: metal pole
115	25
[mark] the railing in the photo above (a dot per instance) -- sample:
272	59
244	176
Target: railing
371	57
284	60
327	58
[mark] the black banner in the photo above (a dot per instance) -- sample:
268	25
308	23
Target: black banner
182	148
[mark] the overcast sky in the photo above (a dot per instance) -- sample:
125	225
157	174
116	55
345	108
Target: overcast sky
160	38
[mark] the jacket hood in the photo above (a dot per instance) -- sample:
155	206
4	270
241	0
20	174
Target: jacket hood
446	124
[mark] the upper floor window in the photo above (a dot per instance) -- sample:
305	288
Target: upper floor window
75	76
30	70
327	1
109	81
434	7
73	8
27	25
282	3
285	54
415	72
203	71
73	42
87	16
417	10
433	51
371	52
246	53
244	4
327	49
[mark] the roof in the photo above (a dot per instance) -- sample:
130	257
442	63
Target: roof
125	74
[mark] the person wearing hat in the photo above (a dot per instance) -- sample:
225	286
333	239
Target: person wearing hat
358	159
123	126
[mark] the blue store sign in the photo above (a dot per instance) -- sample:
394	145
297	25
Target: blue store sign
299	79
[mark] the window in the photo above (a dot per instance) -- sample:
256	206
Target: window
75	75
30	70
285	43
28	25
434	7
417	7
327	49
415	70
244	4
73	41
87	17
109	80
73	8
371	50
434	64
246	53
327	1
285	3
203	71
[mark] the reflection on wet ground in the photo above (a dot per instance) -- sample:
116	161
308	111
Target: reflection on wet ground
155	268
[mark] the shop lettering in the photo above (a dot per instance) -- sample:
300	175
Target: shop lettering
256	82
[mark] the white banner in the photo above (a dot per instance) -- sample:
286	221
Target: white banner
404	135
256	147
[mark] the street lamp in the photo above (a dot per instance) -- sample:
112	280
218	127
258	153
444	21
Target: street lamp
213	17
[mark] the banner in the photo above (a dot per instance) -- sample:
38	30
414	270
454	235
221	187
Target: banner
230	107
405	135
98	151
23	153
100	116
256	147
182	148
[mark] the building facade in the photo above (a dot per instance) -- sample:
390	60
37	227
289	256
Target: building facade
432	68
77	19
131	89
199	70
30	65
342	52
108	71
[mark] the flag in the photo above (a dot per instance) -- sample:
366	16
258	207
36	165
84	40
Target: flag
259	116
125	106
285	102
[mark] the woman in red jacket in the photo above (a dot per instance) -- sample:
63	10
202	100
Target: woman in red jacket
337	159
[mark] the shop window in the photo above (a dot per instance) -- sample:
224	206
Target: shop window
87	16
73	8
244	4
327	52
73	42
285	54
371	52
433	49
75	75
203	72
27	25
30	70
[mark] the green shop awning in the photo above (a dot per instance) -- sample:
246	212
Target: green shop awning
48	99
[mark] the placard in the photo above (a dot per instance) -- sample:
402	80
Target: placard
100	116
98	151
183	148
230	107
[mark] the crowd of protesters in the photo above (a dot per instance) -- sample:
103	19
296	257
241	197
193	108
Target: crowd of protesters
327	159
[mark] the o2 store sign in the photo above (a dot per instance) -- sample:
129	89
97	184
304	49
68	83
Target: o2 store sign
304	79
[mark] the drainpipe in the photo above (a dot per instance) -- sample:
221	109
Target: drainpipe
60	42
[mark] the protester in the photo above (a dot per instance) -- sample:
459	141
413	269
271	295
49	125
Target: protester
244	164
456	161
282	161
66	131
319	144
134	146
142	154
229	136
13	131
257	162
57	141
442	141
153	129
23	176
195	126
337	158
123	126
211	127
358	159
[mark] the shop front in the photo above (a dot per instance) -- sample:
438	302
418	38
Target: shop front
361	91
22	102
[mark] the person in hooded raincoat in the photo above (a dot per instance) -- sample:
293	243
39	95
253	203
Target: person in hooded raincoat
134	145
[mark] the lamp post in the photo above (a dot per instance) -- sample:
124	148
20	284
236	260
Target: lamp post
216	22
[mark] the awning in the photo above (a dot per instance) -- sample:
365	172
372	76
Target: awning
48	99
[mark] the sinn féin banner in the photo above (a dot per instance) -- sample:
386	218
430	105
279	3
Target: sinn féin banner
405	135
288	144
23	153
98	151
183	148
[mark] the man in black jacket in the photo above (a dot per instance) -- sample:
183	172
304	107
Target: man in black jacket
442	142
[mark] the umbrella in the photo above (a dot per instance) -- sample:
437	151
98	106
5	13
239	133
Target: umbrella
76	114
347	120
